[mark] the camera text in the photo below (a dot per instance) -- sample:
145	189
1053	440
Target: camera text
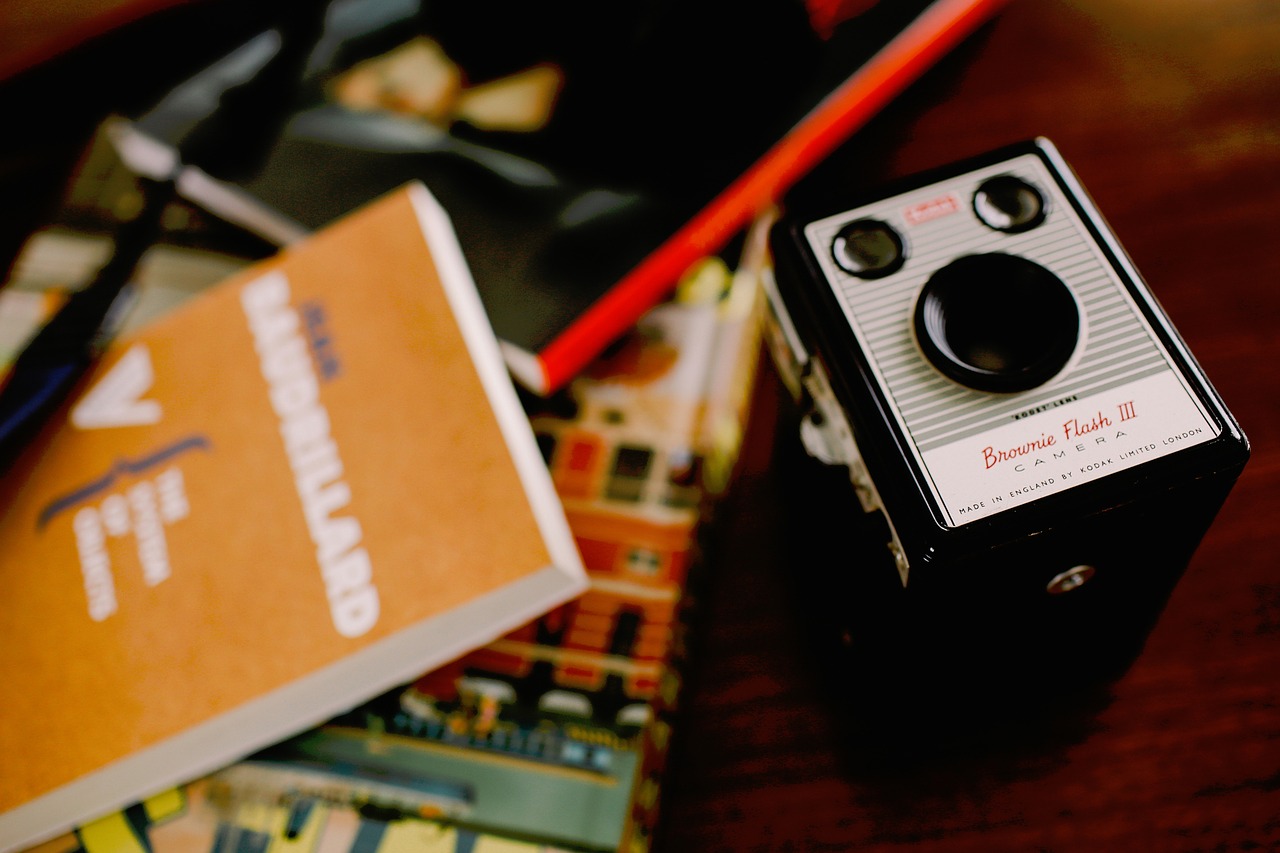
1073	430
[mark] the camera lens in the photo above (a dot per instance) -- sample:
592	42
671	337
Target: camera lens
997	322
867	248
1009	204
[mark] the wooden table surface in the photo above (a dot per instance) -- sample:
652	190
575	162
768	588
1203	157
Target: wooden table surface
1169	110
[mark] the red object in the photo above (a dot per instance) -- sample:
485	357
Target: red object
861	96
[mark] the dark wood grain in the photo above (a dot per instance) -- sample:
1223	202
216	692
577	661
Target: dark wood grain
1170	112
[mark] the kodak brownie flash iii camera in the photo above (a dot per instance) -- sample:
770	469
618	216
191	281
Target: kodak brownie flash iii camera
1034	453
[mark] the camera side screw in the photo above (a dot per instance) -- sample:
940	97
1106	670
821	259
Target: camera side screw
1070	579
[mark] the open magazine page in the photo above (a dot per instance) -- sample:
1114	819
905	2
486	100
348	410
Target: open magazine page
555	735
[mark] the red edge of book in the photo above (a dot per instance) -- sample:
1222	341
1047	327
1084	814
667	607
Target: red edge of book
939	29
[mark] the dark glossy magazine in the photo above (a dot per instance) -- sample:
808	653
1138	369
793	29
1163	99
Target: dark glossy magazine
586	153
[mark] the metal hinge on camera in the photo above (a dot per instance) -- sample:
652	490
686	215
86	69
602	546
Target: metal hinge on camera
827	437
824	430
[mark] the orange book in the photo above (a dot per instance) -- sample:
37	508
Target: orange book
306	486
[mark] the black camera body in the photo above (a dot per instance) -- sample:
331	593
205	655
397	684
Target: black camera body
1034	453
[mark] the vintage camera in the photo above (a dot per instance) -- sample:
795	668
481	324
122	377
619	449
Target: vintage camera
1034	453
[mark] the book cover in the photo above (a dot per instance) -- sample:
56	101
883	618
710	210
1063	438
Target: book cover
585	175
300	489
278	803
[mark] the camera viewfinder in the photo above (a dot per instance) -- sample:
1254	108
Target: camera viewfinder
1009	204
868	248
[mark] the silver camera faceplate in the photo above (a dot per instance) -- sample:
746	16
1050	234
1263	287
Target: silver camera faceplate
1119	401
